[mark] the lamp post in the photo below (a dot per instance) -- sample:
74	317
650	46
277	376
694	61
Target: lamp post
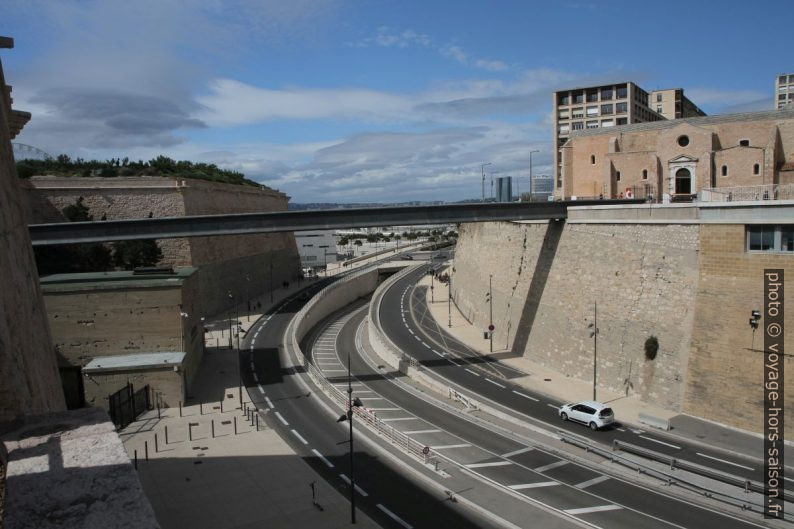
239	370
432	275
530	173
248	297
271	277
449	300
349	418
755	316
482	169
489	299
594	335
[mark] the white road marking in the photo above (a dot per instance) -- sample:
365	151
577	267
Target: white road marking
522	486
261	389
495	383
519	451
400	419
553	406
493	464
395	517
267	399
411	331
414	432
551	466
637	431
585	510
591	482
437	353
476	374
358	489
661	442
525	396
620	429
322	458
252	365
282	419
417	338
444	447
723	461
256	378
300	437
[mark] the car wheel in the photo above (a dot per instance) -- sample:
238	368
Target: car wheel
593	426
564	416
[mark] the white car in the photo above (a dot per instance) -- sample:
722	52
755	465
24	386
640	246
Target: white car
594	414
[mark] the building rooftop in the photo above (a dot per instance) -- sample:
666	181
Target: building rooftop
124	279
134	361
596	85
696	121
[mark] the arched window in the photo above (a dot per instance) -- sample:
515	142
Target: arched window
724	170
756	169
592	159
644	174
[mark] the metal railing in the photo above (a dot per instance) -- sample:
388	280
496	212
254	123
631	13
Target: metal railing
747	193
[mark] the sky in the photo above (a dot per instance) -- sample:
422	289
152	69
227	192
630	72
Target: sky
366	100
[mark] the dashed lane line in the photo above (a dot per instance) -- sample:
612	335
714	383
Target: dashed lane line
495	383
394	517
587	510
522	486
551	466
322	458
476	374
591	482
661	442
525	396
282	419
300	437
517	452
358	489
492	464
724	461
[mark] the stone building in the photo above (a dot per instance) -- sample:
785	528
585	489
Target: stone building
124	319
29	381
244	266
679	159
688	274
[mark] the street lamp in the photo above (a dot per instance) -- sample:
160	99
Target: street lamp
489	300
755	316
239	370
594	335
349	418
449	300
530	174
482	169
248	296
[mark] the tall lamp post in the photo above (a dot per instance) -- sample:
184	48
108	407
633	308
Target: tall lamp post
530	173
449	300
271	277
489	300
349	418
248	296
482	169
594	335
239	370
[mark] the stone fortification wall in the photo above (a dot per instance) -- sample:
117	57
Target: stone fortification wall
29	382
238	264
548	276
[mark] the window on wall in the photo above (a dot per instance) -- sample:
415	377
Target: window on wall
592	159
606	109
577	125
578	97
770	238
683	140
658	98
617	176
592	111
592	124
622	91
606	94
756	169
577	113
644	174
621	108
724	170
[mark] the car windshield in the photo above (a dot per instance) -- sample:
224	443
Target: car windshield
606	412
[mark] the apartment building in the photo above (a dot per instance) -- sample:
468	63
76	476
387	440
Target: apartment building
784	90
612	105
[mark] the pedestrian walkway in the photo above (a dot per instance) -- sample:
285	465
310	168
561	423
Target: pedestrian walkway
561	387
210	466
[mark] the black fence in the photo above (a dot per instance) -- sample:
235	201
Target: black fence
127	404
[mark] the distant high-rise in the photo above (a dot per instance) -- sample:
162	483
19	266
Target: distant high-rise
784	90
504	189
613	105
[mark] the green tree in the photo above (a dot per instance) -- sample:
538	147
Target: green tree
133	254
357	242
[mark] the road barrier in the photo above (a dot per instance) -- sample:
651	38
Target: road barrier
656	422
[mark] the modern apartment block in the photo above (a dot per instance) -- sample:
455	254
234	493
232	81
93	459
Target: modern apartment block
784	90
612	105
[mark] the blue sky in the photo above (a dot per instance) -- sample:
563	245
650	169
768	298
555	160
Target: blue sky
365	101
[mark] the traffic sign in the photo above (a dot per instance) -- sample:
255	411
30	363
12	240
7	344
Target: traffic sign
491	327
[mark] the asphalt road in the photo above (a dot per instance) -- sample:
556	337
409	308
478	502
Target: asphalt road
386	493
539	475
404	319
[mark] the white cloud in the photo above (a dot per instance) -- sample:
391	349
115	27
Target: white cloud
709	96
387	37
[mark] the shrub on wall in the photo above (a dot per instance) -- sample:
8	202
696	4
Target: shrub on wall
651	347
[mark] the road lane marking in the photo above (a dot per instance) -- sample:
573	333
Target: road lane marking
358	489
322	458
256	378
660	442
724	461
495	383
411	331
282	419
261	389
591	482
586	510
400	419
620	429
476	374
267	399
519	451
414	432
551	466
437	353
299	436
525	396
444	447
553	406
522	486
394	517
493	464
